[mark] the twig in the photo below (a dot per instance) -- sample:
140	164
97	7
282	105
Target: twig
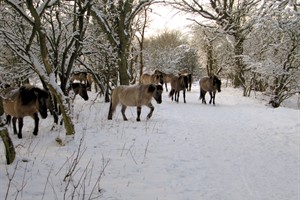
146	149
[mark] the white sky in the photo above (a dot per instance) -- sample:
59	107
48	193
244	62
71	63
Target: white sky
163	17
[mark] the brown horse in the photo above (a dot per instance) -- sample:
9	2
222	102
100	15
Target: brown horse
79	76
136	95
167	77
72	91
90	81
78	88
187	72
178	83
210	84
24	101
151	79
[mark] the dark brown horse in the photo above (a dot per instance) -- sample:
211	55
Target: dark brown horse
178	83
210	84
79	76
187	72
73	90
167	77
135	95
24	101
78	88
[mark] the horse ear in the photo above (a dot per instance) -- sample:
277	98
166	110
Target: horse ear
151	88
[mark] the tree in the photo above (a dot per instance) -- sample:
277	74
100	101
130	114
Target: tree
115	19
215	51
274	52
169	51
232	17
37	41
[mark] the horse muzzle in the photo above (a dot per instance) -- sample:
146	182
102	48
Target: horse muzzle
158	101
44	115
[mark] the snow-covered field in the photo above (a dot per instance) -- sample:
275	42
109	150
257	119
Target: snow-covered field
239	149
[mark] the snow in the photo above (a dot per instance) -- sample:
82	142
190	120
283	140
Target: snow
241	148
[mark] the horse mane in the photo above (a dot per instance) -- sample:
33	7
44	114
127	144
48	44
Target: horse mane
29	93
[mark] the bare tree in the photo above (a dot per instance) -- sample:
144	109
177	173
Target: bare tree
116	19
168	51
232	17
38	41
274	53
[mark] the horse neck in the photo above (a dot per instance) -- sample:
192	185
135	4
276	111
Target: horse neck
181	82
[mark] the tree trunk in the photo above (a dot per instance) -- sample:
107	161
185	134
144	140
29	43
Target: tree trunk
10	152
123	75
1	106
239	78
48	69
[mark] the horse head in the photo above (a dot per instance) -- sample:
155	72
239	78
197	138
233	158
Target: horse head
83	91
156	91
159	78
79	88
42	97
217	83
184	80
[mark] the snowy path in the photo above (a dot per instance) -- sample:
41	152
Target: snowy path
239	149
233	150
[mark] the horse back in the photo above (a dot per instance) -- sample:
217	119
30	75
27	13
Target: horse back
136	95
168	78
206	84
16	106
178	83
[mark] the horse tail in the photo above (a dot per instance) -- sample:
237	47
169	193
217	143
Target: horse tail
113	103
171	92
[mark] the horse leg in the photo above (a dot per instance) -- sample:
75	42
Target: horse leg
36	123
184	96
166	87
202	96
139	110
172	93
14	121
123	112
110	112
20	120
211	97
151	110
178	92
214	97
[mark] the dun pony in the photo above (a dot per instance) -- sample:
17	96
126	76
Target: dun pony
24	101
136	95
167	77
151	79
210	84
178	83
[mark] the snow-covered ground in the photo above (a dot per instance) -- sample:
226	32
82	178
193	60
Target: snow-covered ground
239	149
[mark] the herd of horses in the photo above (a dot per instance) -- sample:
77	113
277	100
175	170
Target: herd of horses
28	100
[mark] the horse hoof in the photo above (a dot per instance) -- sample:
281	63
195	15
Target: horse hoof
138	120
20	136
